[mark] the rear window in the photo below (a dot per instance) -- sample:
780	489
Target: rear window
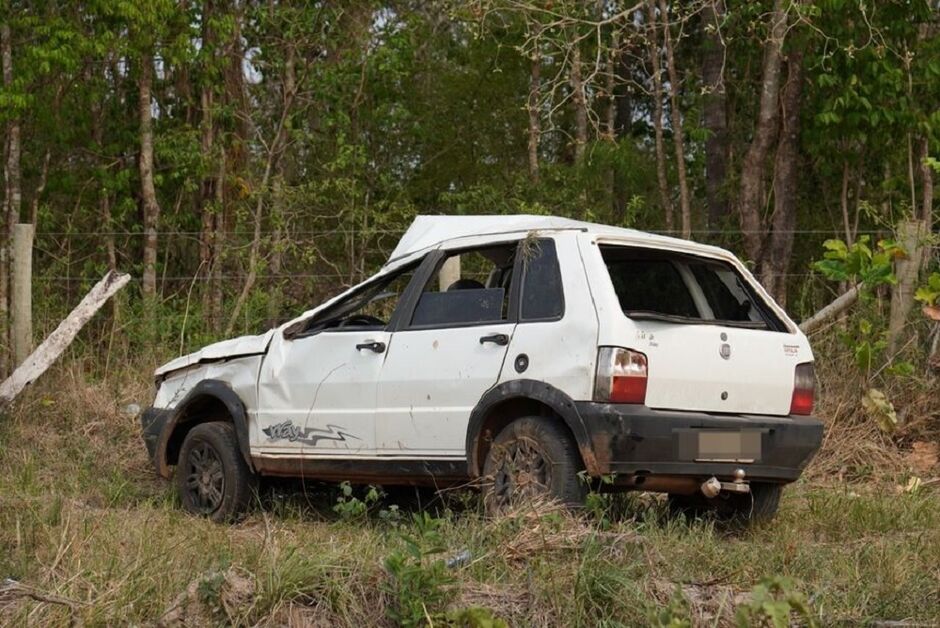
684	289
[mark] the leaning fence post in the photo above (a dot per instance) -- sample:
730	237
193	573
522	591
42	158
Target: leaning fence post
63	335
22	294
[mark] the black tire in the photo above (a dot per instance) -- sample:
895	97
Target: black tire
212	477
760	505
532	458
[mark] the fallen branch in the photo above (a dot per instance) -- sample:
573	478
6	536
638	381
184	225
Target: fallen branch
831	311
59	340
11	589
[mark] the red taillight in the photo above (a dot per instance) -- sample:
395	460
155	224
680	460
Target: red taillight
804	388
621	376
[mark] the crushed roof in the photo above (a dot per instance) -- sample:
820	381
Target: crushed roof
431	231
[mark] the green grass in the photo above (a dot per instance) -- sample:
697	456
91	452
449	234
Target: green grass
83	518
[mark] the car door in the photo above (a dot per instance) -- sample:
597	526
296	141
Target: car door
317	384
448	352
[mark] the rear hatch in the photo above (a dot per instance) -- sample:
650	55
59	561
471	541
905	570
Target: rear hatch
712	343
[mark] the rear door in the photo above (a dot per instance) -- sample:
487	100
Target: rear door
446	355
711	342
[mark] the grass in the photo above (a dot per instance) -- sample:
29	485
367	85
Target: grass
91	535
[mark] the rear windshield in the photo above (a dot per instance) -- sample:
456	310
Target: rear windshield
682	288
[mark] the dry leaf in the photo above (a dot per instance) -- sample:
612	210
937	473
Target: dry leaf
882	410
924	456
932	312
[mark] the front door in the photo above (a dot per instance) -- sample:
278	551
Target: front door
450	352
317	384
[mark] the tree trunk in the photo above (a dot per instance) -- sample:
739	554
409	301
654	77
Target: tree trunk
40	188
911	234
580	103
654	53
926	172
844	203
532	105
148	195
750	199
623	121
216	288
715	114
786	182
685	207
12	198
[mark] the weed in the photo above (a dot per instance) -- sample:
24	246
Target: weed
420	585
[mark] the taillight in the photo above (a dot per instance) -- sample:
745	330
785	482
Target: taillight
621	376
804	388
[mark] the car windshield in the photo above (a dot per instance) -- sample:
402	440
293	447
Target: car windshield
681	288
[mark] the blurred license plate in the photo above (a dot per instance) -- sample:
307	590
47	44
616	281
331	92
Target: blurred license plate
720	446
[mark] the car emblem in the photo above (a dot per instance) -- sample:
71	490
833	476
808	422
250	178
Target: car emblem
725	351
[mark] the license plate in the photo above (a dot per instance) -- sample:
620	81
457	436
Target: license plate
721	446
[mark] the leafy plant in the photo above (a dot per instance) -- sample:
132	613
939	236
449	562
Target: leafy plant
773	602
675	614
860	263
929	294
869	268
419	584
349	507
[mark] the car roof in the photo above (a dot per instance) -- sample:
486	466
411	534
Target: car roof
427	232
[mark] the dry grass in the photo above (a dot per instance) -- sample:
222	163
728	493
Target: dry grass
88	534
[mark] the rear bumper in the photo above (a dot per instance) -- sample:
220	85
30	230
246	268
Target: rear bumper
630	440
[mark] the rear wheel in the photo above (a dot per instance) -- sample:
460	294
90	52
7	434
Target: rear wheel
212	478
532	458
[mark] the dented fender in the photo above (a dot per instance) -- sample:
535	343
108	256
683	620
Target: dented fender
546	394
204	392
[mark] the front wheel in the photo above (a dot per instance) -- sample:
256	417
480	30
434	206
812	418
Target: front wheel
212	478
532	458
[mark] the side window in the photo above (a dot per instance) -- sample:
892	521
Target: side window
543	297
651	285
469	287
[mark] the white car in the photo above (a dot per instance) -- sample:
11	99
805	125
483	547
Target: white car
538	354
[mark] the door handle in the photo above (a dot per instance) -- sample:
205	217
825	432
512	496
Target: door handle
375	347
497	339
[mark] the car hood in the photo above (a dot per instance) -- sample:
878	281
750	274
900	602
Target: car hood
223	350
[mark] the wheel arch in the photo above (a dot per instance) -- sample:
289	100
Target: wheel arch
517	398
209	400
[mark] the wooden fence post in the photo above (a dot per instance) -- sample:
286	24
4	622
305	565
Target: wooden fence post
22	294
911	234
449	273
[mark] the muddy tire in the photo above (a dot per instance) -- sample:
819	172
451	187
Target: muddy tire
212	477
532	458
760	505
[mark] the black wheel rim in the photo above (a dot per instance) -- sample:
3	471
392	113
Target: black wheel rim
205	480
523	472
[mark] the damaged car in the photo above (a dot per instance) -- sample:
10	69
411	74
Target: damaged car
533	355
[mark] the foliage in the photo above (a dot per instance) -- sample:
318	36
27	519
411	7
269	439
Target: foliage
349	507
419	585
860	263
929	294
774	602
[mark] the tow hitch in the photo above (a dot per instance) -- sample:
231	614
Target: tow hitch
713	486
